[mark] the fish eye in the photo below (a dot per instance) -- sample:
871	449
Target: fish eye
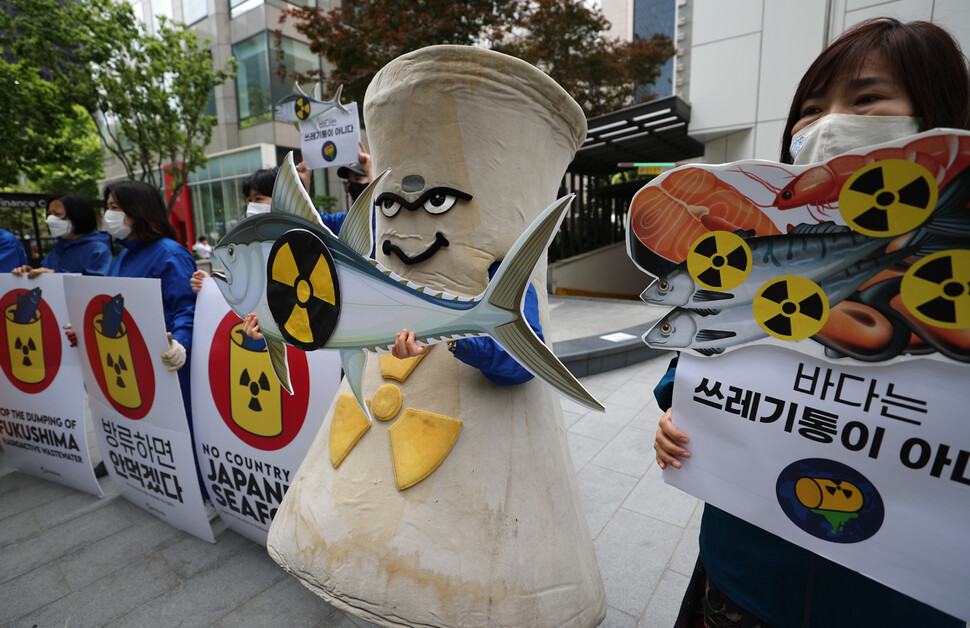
232	252
389	207
663	286
666	328
439	203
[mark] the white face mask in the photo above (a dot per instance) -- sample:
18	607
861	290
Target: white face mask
257	208
839	133
59	227
114	222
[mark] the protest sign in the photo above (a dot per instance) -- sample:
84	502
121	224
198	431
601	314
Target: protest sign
251	435
867	466
136	403
42	389
331	139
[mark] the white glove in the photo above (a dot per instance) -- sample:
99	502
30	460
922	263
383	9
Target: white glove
174	358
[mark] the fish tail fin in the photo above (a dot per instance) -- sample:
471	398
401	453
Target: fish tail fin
507	292
951	217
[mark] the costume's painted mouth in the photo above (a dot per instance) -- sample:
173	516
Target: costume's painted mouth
440	241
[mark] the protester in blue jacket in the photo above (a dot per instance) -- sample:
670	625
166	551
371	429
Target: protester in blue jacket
12	253
80	247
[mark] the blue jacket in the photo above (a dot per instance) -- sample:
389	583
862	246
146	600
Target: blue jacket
167	260
788	586
12	253
333	221
89	254
490	358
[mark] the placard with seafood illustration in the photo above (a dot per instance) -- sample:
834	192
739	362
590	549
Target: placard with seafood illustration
251	434
823	315
42	389
135	400
865	256
868	466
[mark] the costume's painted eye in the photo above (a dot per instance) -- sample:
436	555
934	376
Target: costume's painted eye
232	252
666	328
389	207
439	203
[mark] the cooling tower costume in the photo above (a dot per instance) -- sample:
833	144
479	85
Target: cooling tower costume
89	254
458	505
784	584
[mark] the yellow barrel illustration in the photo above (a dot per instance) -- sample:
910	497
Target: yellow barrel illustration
825	494
255	397
116	364
25	343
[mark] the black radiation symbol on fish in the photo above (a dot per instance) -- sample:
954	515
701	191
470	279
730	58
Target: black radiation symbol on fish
302	289
254	386
302	108
719	261
936	289
791	308
888	198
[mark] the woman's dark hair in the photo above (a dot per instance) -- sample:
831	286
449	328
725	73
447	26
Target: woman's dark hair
262	181
144	204
925	59
79	211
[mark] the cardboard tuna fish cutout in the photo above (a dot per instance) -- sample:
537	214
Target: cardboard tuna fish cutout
865	256
457	504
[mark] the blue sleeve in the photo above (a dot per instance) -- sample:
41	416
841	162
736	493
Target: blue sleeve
333	221
664	390
491	359
178	298
12	253
99	258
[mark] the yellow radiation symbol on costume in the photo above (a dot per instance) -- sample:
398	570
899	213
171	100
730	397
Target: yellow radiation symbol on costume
117	365
719	261
255	395
302	290
936	289
419	440
825	494
25	345
888	198
302	108
791	308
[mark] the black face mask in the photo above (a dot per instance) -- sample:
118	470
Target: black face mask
355	189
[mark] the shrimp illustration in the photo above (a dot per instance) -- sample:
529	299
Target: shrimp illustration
817	188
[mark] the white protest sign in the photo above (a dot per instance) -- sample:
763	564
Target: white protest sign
866	466
135	401
251	435
331	139
42	389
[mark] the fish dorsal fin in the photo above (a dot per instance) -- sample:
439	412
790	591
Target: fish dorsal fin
745	234
289	195
336	99
299	88
823	227
356	232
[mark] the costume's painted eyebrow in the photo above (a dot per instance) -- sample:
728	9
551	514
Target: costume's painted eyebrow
413	205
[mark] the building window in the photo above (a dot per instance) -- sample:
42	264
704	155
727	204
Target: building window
253	80
218	203
297	58
238	7
194	10
160	8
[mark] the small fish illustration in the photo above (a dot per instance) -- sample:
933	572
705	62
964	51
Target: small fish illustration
336	298
299	107
111	314
26	306
815	252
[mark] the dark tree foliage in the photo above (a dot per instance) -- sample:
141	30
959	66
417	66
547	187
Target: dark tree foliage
564	38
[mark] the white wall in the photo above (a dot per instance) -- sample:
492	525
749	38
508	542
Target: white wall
748	56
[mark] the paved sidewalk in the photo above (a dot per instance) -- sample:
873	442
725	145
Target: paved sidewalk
70	559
